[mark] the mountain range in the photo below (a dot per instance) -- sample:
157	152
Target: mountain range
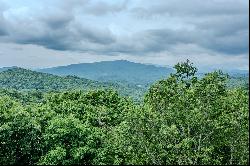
27	80
119	71
128	78
121	74
123	71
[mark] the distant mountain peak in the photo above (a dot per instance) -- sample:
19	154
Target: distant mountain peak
117	70
17	69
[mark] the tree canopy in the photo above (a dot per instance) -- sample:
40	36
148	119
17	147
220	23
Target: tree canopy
182	120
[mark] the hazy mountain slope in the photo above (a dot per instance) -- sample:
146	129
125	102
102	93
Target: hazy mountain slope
120	70
23	79
6	68
19	78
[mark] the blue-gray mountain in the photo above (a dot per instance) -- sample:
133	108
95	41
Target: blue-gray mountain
20	79
129	75
120	70
7	68
125	71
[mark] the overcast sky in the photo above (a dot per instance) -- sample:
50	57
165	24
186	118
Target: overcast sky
45	33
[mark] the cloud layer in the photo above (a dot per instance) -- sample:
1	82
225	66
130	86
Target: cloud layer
133	28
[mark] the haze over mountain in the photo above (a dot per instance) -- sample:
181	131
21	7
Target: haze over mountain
123	72
120	70
7	68
128	78
27	80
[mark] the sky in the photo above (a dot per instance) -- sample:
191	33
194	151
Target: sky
46	33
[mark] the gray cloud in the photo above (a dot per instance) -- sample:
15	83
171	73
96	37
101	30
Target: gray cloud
101	8
196	8
76	38
216	26
58	20
3	30
158	40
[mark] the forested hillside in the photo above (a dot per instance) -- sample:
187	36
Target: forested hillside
23	79
238	81
26	80
131	73
6	68
182	120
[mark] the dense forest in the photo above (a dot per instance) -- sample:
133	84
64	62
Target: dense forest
183	119
27	80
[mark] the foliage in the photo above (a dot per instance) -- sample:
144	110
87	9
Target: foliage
182	120
26	80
